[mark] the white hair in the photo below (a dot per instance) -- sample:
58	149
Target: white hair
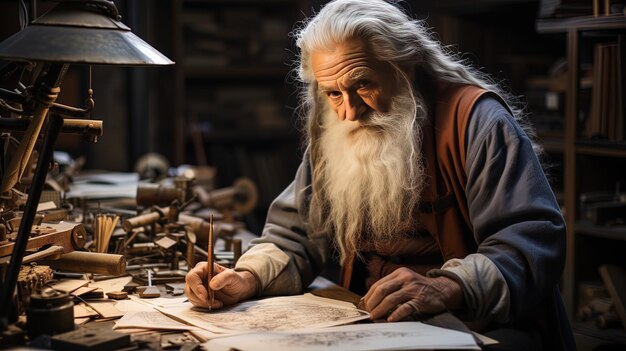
392	37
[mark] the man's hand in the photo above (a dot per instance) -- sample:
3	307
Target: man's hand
404	292
230	287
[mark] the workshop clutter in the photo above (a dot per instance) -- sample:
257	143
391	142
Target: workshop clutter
135	241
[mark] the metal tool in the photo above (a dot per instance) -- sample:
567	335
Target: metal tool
241	197
91	338
149	291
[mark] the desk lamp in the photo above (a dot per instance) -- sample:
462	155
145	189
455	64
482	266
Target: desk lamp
73	32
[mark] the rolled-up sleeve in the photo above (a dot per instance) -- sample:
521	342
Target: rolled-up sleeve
285	259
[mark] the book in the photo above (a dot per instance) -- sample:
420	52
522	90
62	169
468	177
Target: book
614	278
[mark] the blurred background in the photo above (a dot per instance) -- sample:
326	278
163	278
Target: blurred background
229	100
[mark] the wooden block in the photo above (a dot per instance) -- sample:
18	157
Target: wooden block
117	295
614	277
149	292
165	242
94	294
130	287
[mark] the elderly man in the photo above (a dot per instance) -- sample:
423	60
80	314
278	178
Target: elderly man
419	179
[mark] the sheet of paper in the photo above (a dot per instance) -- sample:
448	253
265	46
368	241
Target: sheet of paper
104	186
150	320
106	309
81	321
277	313
204	335
162	302
82	311
137	304
83	290
69	285
114	284
485	340
370	336
108	178
133	304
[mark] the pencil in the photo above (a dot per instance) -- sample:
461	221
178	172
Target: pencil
210	260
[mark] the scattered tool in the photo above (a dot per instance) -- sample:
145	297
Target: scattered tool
91	262
130	287
150	290
90	338
104	225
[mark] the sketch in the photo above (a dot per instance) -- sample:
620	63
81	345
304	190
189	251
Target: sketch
333	339
354	337
273	314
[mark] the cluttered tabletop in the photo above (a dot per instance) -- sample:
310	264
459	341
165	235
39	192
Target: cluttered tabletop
104	269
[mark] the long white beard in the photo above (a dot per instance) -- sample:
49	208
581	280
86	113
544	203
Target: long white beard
372	174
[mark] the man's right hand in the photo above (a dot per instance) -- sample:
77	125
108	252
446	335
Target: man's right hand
229	286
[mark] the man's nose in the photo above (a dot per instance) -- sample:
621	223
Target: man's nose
354	107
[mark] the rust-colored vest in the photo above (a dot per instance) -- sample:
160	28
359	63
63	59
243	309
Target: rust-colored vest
444	211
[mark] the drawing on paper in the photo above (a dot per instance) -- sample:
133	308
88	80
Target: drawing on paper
352	337
334	339
279	316
272	314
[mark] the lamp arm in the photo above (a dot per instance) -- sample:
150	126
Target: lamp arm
71	111
91	128
34	194
64	110
12	96
10	108
45	95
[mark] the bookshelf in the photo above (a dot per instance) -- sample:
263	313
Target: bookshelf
233	94
594	155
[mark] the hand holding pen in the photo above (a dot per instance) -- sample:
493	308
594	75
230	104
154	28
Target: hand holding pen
227	286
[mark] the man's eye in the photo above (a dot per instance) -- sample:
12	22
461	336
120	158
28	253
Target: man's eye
334	94
363	84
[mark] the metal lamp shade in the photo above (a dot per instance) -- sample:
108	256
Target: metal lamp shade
80	33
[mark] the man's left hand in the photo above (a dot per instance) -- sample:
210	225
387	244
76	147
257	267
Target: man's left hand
404	292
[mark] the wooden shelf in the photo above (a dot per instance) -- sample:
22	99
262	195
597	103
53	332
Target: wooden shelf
589	329
601	148
589	229
563	25
582	173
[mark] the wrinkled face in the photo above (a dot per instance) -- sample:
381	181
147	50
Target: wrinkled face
353	81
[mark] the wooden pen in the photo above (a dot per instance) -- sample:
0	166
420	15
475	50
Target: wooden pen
210	260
